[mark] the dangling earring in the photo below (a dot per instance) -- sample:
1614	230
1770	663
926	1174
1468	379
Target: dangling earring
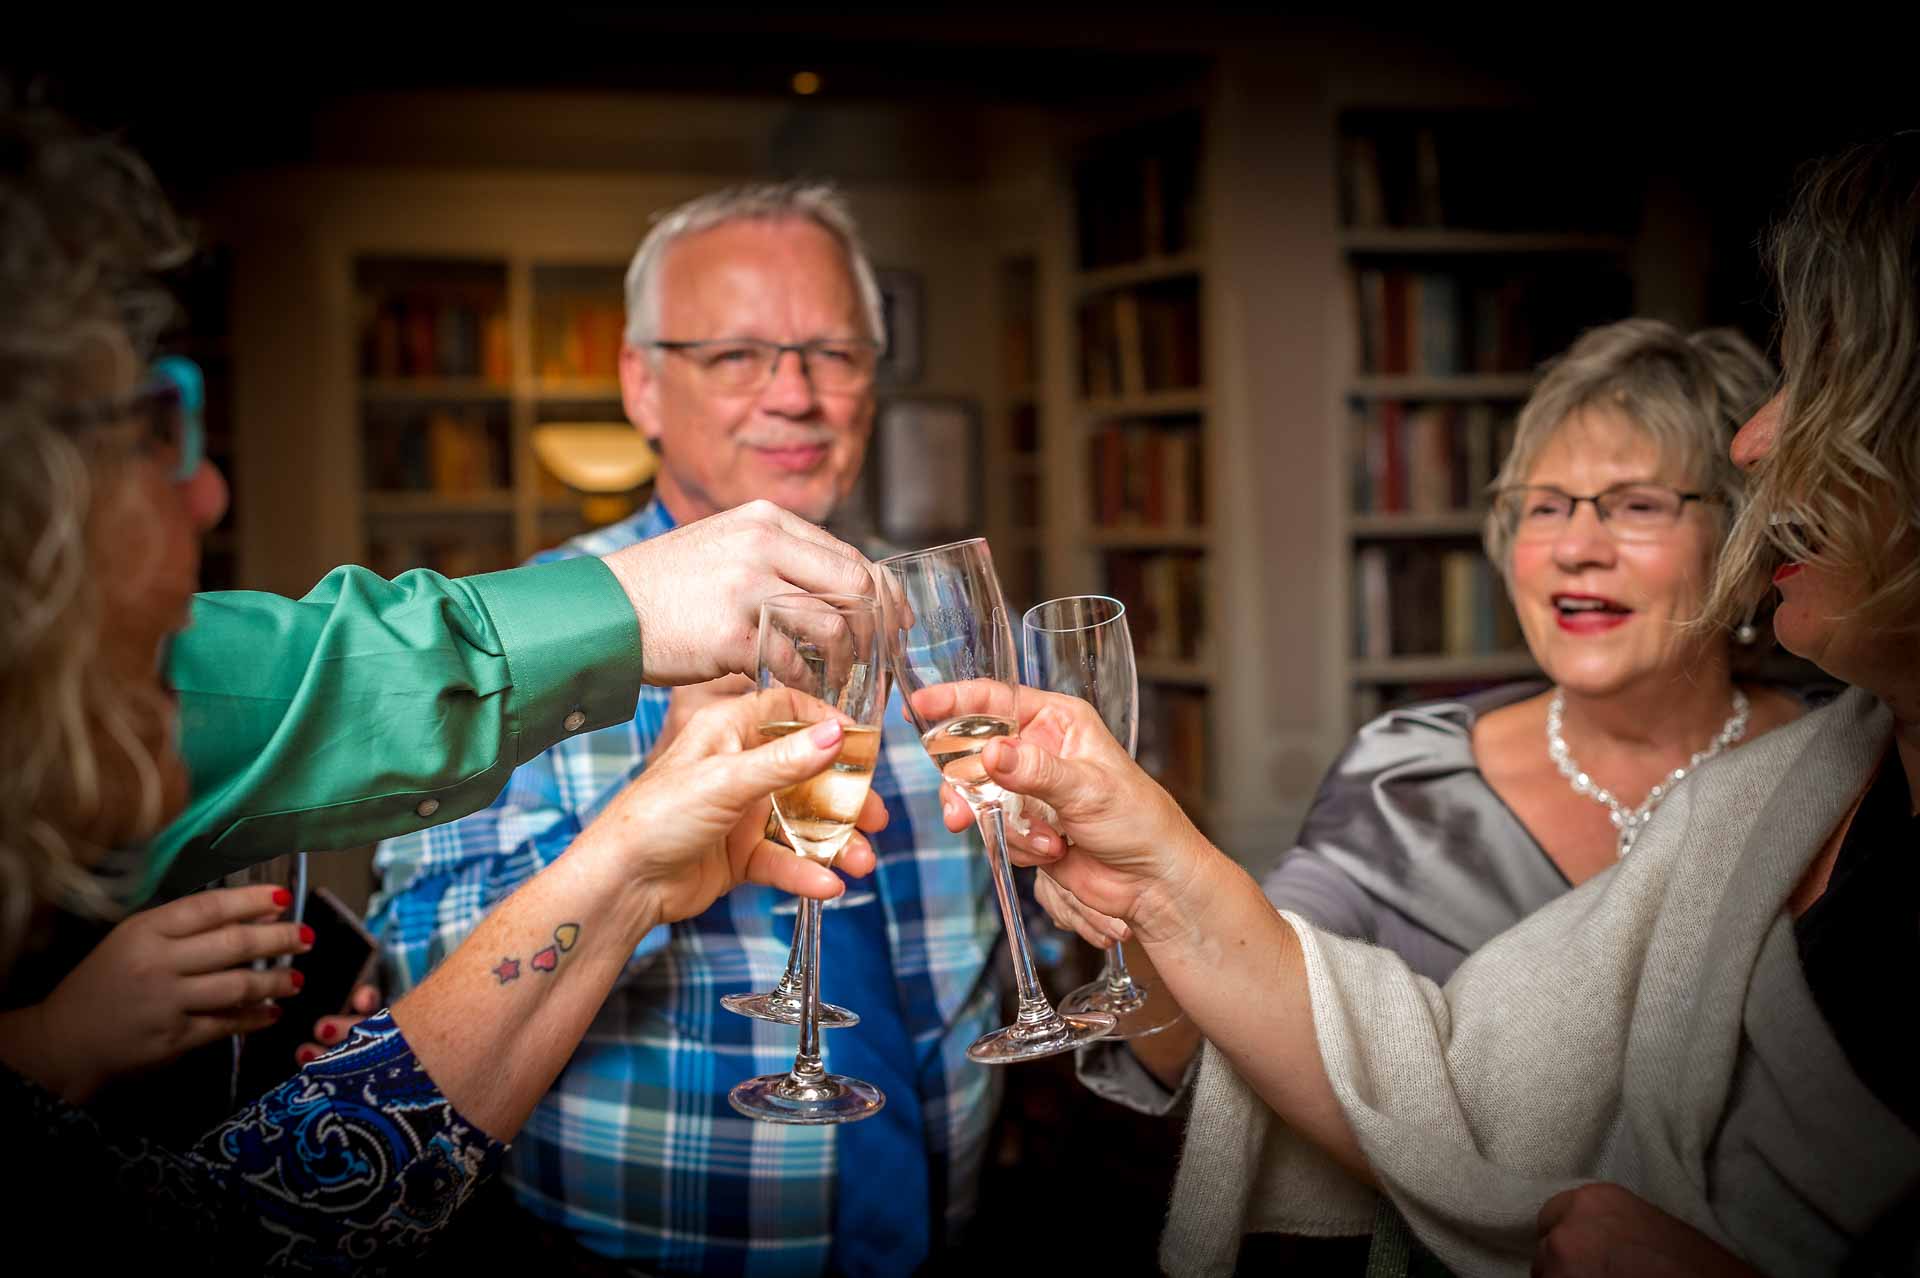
1746	634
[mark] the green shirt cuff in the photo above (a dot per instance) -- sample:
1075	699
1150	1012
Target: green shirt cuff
572	646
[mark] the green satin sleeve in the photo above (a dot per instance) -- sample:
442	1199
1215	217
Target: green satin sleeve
372	708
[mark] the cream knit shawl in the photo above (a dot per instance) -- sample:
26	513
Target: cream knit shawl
1650	1028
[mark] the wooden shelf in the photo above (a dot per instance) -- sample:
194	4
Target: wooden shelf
495	502
1440	241
1199	674
1148	538
1480	386
1173	403
1149	271
577	388
413	390
1440	669
1453	523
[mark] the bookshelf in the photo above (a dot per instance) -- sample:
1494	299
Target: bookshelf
1139	434
1016	432
1462	275
461	360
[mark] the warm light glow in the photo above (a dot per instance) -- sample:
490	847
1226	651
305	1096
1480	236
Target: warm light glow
806	83
595	457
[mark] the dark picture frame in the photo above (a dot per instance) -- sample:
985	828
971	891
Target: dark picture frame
900	307
925	469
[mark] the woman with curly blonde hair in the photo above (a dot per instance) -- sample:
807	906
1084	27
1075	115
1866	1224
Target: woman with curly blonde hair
365	1154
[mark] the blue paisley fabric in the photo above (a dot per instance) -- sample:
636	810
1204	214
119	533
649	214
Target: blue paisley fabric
355	1162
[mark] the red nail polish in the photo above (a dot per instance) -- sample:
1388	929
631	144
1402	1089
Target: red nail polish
326	1033
306	935
282	898
274	1011
306	1056
294	974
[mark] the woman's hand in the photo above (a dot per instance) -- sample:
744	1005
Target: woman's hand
690	828
1064	908
1127	845
162	983
1602	1230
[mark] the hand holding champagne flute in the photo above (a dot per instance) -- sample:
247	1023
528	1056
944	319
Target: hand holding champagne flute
1081	646
951	646
820	668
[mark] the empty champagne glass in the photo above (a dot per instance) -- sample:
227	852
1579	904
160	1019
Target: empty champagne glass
951	646
1080	646
819	659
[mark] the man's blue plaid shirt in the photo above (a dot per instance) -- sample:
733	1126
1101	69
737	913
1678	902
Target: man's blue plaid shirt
635	1150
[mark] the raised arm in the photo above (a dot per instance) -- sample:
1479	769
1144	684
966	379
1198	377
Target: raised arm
1217	943
373	708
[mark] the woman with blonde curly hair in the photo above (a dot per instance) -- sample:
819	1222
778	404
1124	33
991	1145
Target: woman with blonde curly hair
1687	1065
366	1153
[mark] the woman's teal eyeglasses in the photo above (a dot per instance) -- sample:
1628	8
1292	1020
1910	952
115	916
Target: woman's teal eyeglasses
170	409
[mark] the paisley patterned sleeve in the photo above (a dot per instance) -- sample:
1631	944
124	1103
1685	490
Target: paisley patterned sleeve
355	1161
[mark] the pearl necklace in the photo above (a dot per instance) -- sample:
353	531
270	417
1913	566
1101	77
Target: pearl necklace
1630	821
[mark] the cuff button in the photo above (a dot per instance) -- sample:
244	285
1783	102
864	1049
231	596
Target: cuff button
427	807
574	722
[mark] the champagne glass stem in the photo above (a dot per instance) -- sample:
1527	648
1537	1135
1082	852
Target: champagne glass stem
789	987
807	1069
1119	979
1035	1010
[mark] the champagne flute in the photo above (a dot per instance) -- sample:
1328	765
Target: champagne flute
952	652
1081	646
819	659
781	1004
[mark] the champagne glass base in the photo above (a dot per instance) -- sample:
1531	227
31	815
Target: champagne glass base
783	1010
1016	1043
832	1098
845	901
1134	1012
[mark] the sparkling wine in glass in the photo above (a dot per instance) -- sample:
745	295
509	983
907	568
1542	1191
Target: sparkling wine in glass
820	658
1080	646
951	647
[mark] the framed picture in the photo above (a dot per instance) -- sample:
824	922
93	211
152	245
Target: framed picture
926	469
900	308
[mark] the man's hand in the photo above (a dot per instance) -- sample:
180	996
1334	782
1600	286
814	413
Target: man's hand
1604	1231
697	590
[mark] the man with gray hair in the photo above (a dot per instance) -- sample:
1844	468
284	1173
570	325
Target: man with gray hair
753	332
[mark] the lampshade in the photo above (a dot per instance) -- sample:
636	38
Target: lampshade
595	457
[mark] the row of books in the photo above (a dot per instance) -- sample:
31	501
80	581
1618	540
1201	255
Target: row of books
1165	594
1464	170
1424	600
445	450
1173	738
1138	193
1147	476
1425	459
1441	324
578	337
1136	341
432	334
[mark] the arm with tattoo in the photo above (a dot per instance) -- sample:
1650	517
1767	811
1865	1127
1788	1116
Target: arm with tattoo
495	1022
